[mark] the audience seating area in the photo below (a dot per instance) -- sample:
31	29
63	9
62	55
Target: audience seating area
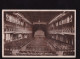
61	46
17	44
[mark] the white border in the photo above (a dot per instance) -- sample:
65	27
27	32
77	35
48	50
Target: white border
39	11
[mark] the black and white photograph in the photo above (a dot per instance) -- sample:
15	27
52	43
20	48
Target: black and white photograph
38	33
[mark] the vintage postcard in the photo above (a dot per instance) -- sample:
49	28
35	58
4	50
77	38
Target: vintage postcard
38	33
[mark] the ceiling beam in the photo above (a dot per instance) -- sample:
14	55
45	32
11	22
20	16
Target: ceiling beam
57	17
20	15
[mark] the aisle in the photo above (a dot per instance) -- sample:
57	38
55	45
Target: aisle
38	47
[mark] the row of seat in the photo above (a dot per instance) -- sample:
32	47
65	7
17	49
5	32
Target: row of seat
16	44
60	46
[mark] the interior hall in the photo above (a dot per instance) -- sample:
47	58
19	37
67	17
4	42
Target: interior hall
39	33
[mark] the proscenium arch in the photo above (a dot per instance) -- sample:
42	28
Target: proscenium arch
39	27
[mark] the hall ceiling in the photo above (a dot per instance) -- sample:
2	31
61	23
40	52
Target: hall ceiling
35	16
42	16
